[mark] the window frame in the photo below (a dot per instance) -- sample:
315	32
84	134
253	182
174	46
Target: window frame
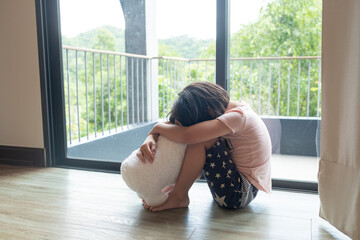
51	75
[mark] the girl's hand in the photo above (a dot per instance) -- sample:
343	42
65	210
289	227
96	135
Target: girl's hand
148	149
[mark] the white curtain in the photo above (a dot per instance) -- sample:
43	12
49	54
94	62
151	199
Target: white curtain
339	171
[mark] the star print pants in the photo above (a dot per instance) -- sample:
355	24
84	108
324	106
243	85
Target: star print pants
229	188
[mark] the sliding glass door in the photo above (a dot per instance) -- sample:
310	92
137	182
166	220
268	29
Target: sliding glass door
113	69
120	66
275	67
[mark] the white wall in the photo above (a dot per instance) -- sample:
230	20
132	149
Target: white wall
20	99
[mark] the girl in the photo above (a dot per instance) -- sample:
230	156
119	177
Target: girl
227	142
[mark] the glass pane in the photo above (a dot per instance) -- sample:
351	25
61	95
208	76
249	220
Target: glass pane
107	92
275	67
115	84
186	33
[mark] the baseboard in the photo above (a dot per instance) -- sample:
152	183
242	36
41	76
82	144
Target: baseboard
22	156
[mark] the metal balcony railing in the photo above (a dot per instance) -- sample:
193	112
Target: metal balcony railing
108	92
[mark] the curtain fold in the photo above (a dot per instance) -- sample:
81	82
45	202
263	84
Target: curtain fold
339	169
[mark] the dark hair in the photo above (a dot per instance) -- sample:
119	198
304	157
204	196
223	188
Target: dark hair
198	102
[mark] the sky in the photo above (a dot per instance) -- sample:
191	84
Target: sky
195	18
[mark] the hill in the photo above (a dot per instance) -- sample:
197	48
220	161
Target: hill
181	46
89	38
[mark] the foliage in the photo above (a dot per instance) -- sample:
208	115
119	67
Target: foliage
184	46
285	28
95	92
91	39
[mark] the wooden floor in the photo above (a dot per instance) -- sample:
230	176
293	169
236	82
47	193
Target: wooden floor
55	203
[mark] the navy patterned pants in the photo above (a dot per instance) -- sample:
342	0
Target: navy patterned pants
229	188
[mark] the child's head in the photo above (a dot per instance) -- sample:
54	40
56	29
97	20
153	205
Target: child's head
198	102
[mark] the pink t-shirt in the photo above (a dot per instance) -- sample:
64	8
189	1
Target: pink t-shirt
251	144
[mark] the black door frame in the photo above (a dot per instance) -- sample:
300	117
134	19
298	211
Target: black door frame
51	75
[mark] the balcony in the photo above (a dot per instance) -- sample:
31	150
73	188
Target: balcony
113	99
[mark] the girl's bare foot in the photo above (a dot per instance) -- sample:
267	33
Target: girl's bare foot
173	201
147	207
167	189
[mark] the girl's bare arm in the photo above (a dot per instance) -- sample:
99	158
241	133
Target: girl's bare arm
194	134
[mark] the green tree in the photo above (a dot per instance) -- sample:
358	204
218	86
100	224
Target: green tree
93	89
89	38
285	28
104	40
184	46
166	50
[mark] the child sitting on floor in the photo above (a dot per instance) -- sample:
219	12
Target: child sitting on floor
227	141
